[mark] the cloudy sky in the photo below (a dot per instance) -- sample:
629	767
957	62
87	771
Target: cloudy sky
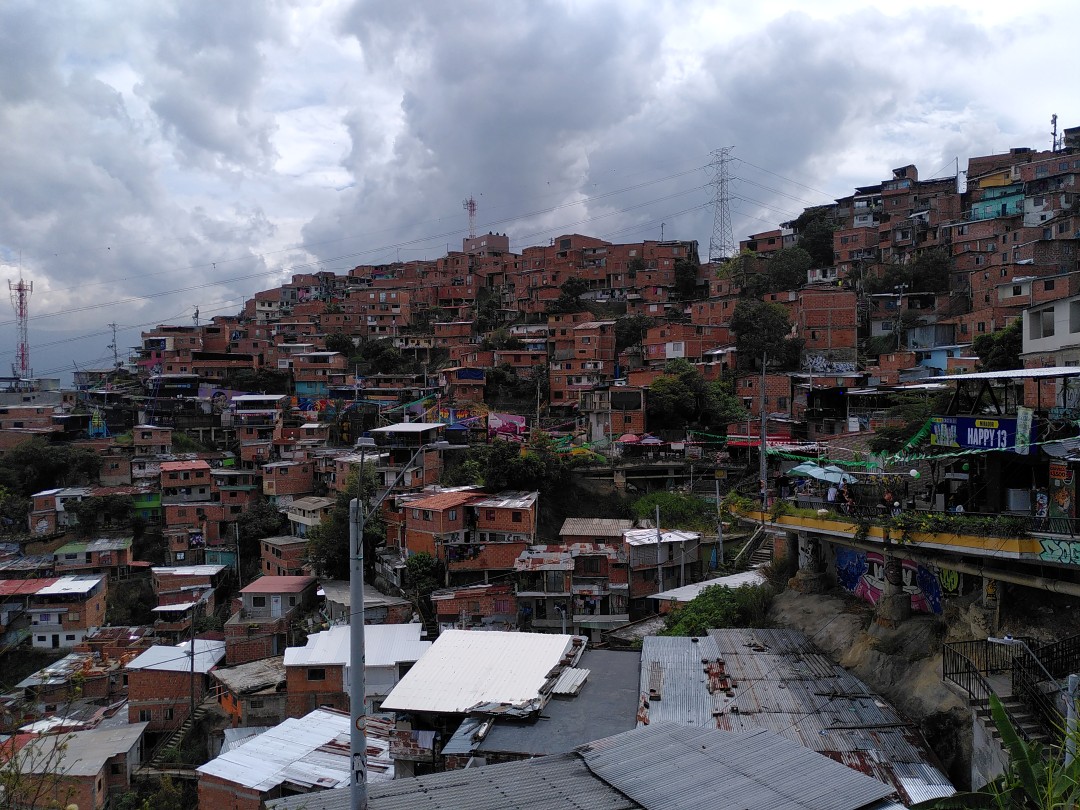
158	156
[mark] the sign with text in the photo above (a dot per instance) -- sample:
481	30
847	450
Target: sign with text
981	433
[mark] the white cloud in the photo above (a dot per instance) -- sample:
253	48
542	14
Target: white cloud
196	144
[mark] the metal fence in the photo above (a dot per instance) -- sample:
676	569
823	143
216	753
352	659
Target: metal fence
1032	687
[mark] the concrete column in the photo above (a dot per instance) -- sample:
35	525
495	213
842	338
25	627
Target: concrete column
812	576
895	604
991	601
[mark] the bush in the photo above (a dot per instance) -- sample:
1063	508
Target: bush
718	607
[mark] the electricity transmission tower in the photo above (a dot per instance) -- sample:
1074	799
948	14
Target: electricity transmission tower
721	243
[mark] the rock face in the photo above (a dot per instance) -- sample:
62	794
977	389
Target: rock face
903	663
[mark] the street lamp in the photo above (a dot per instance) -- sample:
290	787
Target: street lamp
900	289
1070	694
357	683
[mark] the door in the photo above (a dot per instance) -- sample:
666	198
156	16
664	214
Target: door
275	605
56	640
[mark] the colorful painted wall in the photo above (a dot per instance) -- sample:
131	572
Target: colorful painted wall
863	574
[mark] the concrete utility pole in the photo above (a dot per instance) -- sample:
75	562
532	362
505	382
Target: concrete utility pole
763	461
358	516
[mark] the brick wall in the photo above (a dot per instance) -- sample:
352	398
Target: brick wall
162	698
306	694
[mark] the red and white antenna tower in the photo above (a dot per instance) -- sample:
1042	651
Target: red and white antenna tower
20	301
470	206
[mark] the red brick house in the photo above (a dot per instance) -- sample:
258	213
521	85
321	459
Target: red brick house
65	610
159	682
282	556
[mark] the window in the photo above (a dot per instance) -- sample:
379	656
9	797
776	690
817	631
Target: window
416	514
316	674
980	326
1041	324
292	601
73	616
452	514
1017	289
116	769
1074	317
489	514
258	601
169	714
41	638
145	715
1048	285
255	703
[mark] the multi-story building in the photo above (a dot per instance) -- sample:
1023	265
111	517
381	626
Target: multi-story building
65	610
268	607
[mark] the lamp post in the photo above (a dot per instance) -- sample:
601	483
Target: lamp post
900	290
358	516
1070	693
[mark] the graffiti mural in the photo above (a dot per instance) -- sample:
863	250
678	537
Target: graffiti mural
1060	551
506	426
820	364
864	573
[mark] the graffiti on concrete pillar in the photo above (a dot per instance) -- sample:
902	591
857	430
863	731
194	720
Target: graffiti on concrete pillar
1060	551
863	573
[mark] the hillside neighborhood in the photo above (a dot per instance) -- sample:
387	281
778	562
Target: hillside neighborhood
587	470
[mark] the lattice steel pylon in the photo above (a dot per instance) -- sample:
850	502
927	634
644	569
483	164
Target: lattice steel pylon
721	242
20	301
470	206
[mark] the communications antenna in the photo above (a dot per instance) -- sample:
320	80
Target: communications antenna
722	242
113	346
1054	133
470	206
195	317
20	300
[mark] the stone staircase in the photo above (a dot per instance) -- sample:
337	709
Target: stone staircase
1027	723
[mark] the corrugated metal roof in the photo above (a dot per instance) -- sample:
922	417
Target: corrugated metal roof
307	752
283	584
561	782
756	770
644	537
1013	374
384	646
570	682
464	668
510	499
254	676
70	585
689	592
177	659
595	527
776	679
79	753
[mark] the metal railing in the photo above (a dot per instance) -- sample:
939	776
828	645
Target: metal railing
1031	686
968	664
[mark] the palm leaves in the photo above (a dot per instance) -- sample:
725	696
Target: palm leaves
1033	780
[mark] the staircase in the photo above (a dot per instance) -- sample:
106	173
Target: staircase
1026	722
763	554
157	759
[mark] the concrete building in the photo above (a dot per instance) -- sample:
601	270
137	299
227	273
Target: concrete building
160	684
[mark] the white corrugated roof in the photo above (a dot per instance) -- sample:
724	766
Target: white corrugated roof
464	668
644	537
176	659
1011	374
408	427
384	646
687	592
188	570
69	585
290	752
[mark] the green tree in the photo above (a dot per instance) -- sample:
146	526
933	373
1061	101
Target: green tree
13	511
36	464
787	269
764	329
717	607
1000	351
677	510
423	574
631	330
108	511
904	420
535	466
340	342
260	519
686	280
815	227
682	397
569	299
1033	780
328	543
